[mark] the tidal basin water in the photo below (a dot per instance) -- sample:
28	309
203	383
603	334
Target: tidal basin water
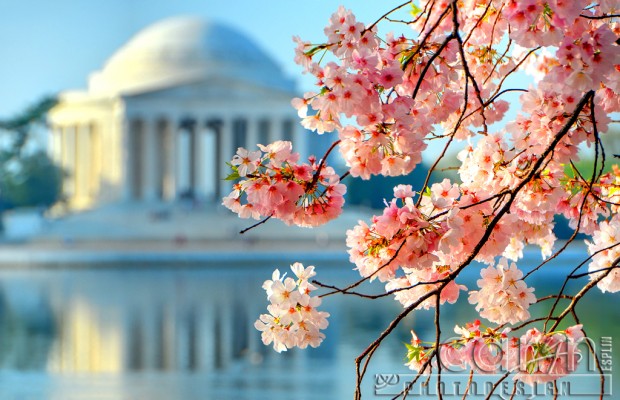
182	328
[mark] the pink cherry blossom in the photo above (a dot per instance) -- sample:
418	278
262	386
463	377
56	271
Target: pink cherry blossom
503	297
293	319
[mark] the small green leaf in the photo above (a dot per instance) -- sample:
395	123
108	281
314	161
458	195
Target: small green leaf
415	10
406	58
233	176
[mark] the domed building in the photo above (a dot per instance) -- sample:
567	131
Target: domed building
166	111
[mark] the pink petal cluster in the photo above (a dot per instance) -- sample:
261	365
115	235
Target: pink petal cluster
535	357
404	236
473	349
605	253
541	22
293	319
503	296
387	96
277	185
539	357
417	283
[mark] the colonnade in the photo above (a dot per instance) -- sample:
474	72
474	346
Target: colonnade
162	159
79	145
167	161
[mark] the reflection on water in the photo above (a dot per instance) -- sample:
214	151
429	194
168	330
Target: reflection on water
186	332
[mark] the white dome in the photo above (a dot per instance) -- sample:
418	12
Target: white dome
182	50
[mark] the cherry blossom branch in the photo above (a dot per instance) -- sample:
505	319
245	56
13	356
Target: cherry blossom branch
469	381
364	279
529	322
408	388
315	177
589	186
368	351
515	174
553	296
589	192
468	73
494	387
373	296
487	233
445	149
568	242
582	293
262	221
496	63
430	171
561	292
428	18
598	143
605	16
593	352
443	45
437	353
371	26
477	24
594	271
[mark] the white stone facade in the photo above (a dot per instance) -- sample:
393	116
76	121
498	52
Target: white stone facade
166	112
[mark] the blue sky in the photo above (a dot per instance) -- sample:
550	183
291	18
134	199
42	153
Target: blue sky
49	46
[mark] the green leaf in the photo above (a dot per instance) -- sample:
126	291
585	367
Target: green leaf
406	58
233	176
415	10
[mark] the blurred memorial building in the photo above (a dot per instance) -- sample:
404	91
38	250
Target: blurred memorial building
165	113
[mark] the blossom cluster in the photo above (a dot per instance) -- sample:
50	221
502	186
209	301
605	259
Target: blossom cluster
273	183
415	247
503	296
534	357
293	319
387	96
605	253
540	357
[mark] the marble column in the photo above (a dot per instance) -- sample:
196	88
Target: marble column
136	158
83	164
124	129
95	159
194	157
53	149
184	156
204	162
212	170
168	161
149	160
226	153
68	161
300	140
264	131
251	138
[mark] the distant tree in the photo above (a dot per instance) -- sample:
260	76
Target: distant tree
27	178
33	182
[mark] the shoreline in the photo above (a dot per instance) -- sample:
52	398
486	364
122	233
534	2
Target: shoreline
153	253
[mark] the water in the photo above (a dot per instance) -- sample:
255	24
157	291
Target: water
184	330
